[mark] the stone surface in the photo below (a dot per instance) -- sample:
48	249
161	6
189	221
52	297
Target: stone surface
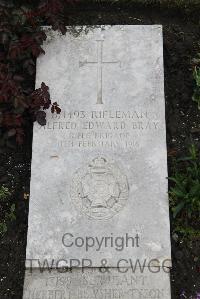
93	284
99	169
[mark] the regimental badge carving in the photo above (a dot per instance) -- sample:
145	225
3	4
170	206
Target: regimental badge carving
100	189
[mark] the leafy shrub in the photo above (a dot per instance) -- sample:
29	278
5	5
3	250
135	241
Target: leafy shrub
21	39
185	194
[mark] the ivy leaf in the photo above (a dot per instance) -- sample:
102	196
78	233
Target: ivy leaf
55	108
41	118
58	110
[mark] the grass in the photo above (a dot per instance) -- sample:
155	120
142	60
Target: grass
185	193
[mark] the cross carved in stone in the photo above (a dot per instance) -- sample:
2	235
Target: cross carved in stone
99	63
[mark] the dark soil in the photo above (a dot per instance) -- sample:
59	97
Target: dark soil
181	37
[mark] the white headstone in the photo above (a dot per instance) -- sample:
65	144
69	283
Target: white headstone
99	169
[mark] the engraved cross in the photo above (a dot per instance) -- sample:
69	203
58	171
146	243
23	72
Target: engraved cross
99	63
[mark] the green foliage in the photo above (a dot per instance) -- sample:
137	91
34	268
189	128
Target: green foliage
187	232
9	216
4	193
185	194
196	95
